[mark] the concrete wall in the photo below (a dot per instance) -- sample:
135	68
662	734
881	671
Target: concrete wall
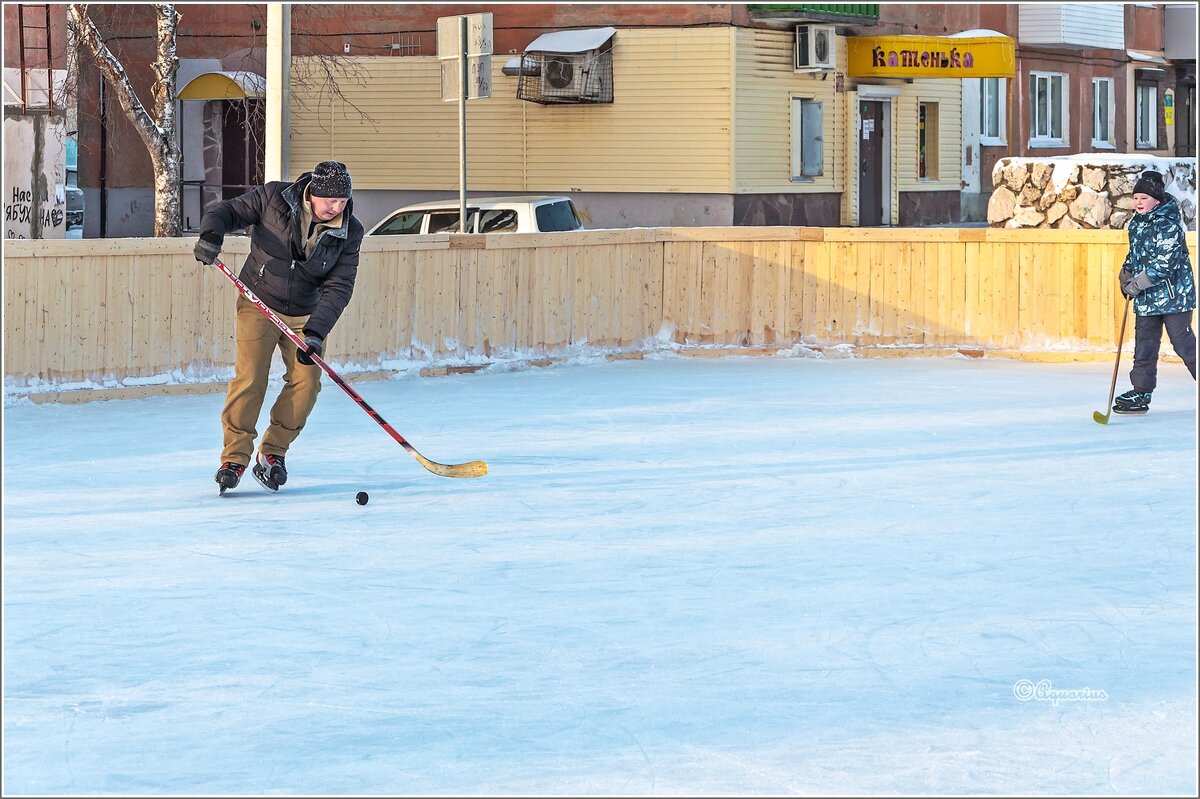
35	176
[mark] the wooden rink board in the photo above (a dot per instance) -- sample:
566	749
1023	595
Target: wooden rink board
114	312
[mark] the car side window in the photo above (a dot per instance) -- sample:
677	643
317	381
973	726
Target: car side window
501	220
557	216
447	221
401	224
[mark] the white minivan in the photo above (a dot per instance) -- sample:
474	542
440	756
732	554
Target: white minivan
484	215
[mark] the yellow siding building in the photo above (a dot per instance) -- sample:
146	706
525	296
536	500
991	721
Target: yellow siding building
700	131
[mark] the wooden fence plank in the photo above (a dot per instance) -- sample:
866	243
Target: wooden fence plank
17	349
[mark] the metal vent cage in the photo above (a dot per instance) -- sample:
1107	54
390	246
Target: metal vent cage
553	78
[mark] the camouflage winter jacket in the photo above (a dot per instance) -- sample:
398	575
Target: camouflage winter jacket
1157	247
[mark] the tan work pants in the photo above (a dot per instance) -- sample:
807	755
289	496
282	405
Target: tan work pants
257	339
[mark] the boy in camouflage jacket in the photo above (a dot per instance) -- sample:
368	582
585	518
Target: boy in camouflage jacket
1157	278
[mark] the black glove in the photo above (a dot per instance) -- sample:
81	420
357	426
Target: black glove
207	248
315	344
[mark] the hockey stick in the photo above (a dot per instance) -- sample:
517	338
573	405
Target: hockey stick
1102	418
472	469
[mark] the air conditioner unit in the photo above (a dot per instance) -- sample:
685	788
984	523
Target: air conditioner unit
571	76
814	48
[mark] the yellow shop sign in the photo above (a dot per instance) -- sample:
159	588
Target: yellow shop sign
931	57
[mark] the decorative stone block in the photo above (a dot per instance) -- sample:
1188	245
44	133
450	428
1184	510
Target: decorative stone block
1094	178
1015	176
1091	208
1026	216
1040	174
1001	205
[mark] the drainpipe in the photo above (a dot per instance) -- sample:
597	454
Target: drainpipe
103	163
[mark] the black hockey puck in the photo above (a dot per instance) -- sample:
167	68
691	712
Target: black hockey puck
361	497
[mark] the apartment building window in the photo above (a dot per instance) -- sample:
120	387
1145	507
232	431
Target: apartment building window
927	141
1047	109
1103	107
808	138
1146	115
992	114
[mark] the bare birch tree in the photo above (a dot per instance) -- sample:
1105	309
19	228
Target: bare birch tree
157	126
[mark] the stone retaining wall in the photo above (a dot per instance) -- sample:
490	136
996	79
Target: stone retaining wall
1082	191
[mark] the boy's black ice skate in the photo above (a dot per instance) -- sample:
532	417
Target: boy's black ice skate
229	475
269	470
1132	402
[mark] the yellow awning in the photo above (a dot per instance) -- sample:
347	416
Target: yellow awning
931	57
224	86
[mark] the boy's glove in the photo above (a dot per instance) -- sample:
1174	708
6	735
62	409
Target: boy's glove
1136	285
315	346
1125	277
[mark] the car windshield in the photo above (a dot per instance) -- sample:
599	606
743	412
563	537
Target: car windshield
400	224
559	215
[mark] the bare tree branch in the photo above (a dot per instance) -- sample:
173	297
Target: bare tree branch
321	79
157	131
112	69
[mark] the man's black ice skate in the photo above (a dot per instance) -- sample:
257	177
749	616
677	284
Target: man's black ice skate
229	475
1134	401
269	470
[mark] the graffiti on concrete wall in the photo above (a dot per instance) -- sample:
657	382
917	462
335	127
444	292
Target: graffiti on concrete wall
18	213
35	203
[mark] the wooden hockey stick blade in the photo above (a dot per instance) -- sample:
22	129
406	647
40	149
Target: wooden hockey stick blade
471	469
1100	418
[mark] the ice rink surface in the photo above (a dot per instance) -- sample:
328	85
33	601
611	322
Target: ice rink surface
682	576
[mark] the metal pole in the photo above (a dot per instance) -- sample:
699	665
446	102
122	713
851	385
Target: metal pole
277	150
462	124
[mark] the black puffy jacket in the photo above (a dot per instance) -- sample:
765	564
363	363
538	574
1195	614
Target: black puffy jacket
276	269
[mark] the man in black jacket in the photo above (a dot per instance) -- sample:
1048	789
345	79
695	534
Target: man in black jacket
303	260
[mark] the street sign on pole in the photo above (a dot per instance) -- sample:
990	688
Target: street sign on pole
479	77
478	52
465	41
479	35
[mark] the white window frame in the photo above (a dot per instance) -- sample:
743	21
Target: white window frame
797	113
1001	85
1049	140
1104	139
1150	143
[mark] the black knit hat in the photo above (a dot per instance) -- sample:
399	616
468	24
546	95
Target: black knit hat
1151	183
330	179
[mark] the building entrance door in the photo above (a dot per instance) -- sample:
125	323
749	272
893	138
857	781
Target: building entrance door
1185	121
871	145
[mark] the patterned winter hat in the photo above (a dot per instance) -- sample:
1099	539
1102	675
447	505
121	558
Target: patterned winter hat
330	179
1151	183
